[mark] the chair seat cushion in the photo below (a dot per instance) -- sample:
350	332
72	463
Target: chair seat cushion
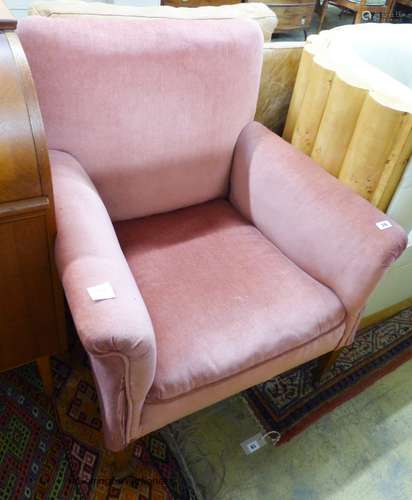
222	298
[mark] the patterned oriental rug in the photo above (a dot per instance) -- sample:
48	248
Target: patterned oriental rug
289	403
56	452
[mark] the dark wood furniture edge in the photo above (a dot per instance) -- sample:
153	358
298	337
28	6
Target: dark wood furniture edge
40	145
42	205
7	20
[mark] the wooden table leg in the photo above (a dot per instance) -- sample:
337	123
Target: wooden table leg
321	11
45	372
362	7
387	15
358	16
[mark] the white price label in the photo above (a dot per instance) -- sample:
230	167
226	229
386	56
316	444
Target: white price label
101	292
383	224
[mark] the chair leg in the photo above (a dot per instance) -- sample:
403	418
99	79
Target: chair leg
45	372
325	362
321	10
122	462
386	17
358	16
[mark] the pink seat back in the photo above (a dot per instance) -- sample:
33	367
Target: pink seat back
152	109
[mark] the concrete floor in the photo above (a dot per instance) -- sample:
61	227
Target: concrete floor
360	451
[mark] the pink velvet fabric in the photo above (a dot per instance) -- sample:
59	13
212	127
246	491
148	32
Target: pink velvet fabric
222	298
206	303
151	110
158	413
117	333
321	225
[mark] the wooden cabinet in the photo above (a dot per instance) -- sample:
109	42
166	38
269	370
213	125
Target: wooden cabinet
32	323
198	3
292	14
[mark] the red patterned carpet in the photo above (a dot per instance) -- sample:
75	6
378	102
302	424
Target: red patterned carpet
44	455
56	452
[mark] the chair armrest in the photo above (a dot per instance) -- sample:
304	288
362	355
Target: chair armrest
117	333
316	221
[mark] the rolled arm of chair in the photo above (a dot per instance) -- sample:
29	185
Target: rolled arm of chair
117	333
316	221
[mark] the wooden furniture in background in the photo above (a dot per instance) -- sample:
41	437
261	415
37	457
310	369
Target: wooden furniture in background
198	3
32	325
292	14
402	11
361	11
405	3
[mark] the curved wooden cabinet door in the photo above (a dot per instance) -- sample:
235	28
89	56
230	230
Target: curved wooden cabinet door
31	300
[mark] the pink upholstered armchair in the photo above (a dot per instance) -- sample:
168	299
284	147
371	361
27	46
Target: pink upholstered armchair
233	257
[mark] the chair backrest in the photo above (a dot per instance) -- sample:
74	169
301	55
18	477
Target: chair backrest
152	110
259	12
